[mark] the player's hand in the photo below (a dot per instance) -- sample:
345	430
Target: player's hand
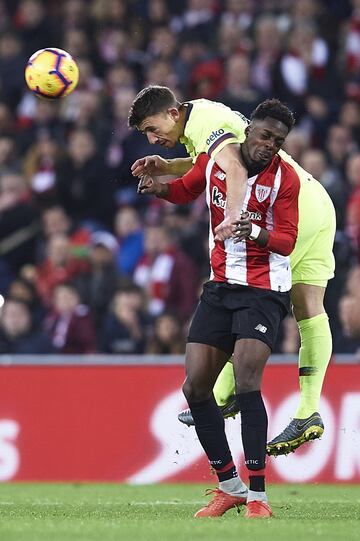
242	228
150	165
226	229
148	185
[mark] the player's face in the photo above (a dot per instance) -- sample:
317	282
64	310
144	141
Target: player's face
162	128
264	139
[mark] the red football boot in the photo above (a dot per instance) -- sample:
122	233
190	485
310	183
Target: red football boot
258	509
220	503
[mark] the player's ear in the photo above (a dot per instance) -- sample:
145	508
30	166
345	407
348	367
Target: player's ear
247	130
173	112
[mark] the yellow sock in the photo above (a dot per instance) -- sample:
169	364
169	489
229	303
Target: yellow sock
225	384
314	356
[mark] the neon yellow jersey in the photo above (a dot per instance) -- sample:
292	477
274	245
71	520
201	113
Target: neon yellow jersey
210	126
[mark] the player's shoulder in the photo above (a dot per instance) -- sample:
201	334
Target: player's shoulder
288	171
202	160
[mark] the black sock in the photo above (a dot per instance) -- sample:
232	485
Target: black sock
210	428
254	423
257	482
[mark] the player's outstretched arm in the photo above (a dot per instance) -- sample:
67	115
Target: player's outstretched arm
150	186
155	165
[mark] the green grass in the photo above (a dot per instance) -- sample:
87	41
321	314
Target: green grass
104	512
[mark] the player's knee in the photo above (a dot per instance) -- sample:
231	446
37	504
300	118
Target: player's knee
195	392
248	377
307	301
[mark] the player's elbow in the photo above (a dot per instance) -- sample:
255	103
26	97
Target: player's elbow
288	246
281	244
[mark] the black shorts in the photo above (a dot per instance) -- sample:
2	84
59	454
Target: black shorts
228	312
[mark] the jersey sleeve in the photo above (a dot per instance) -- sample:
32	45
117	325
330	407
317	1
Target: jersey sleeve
214	127
286	215
189	186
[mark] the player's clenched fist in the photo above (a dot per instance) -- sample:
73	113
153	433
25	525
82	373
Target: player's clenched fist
150	165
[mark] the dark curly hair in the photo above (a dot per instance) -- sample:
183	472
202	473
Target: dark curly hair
150	101
275	109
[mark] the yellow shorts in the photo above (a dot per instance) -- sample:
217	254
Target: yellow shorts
312	261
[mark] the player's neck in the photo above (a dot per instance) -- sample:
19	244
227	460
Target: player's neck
183	112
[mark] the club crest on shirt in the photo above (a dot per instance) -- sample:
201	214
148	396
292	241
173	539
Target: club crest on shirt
262	192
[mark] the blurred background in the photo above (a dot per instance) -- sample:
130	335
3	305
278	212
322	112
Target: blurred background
87	265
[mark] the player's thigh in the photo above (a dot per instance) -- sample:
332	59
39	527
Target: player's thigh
312	261
211	324
250	357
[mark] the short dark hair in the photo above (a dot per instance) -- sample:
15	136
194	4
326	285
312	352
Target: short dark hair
151	100
275	109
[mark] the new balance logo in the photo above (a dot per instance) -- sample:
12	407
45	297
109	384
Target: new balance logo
261	328
220	175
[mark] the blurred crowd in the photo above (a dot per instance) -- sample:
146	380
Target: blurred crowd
87	265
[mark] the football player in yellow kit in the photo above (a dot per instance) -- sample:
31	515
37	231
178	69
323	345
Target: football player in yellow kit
211	127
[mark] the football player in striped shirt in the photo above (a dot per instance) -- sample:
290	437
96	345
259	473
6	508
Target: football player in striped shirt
206	126
243	303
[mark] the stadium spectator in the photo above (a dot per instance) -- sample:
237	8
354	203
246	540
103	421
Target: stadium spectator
39	119
39	168
314	161
350	314
124	328
267	50
97	285
353	208
303	66
24	290
239	93
17	335
12	61
167	275
129	231
55	221
297	143
19	226
69	322
58	267
83	183
167	338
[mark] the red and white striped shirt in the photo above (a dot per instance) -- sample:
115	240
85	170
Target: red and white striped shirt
272	201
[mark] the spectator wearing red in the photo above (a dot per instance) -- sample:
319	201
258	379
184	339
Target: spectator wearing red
167	274
70	323
353	208
59	266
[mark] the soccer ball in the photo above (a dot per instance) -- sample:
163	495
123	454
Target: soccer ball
51	73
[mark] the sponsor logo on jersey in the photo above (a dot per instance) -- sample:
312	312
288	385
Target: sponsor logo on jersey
217	198
214	135
262	192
